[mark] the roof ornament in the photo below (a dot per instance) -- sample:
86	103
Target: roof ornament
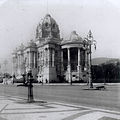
38	30
90	39
74	36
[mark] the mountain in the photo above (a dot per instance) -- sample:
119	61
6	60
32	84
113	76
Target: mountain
100	60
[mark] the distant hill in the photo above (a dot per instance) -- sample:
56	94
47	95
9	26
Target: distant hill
100	60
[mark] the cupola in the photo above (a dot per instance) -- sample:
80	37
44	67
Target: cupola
49	27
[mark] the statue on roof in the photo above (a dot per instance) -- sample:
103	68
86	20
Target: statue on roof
39	31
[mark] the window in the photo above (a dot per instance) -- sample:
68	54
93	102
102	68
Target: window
46	24
54	25
74	75
40	54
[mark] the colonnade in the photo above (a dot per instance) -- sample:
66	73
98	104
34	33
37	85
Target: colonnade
20	60
32	59
69	69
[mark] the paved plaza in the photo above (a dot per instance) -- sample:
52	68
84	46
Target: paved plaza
17	108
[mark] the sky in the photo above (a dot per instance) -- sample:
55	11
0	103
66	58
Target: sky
19	19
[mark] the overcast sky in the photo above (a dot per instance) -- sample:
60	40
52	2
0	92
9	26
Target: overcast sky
19	18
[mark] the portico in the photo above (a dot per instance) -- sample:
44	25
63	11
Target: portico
75	58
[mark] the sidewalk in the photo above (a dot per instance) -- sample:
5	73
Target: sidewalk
64	84
16	108
81	84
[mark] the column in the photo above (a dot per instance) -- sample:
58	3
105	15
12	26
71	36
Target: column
49	64
69	67
62	66
86	61
19	64
13	64
50	56
79	66
18	61
29	60
34	60
45	57
53	57
68	56
78	56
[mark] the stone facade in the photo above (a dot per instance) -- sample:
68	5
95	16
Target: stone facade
51	58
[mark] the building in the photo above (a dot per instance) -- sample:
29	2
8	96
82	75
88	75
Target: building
51	58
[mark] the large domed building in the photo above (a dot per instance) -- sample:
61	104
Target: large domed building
51	58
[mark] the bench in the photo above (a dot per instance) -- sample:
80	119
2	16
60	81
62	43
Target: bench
100	87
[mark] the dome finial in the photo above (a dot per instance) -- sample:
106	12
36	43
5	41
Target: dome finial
48	15
74	36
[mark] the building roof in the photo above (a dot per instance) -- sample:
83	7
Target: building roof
48	19
75	37
15	51
49	27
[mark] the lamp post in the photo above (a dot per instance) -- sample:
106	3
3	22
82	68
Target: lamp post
90	41
30	87
90	67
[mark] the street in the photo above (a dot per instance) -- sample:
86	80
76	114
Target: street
75	94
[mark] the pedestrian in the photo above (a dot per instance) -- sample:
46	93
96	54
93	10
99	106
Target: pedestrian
14	78
4	80
46	81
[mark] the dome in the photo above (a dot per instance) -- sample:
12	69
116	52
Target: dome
31	44
38	31
73	38
48	19
49	27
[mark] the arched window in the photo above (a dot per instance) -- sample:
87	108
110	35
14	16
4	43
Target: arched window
46	24
53	25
